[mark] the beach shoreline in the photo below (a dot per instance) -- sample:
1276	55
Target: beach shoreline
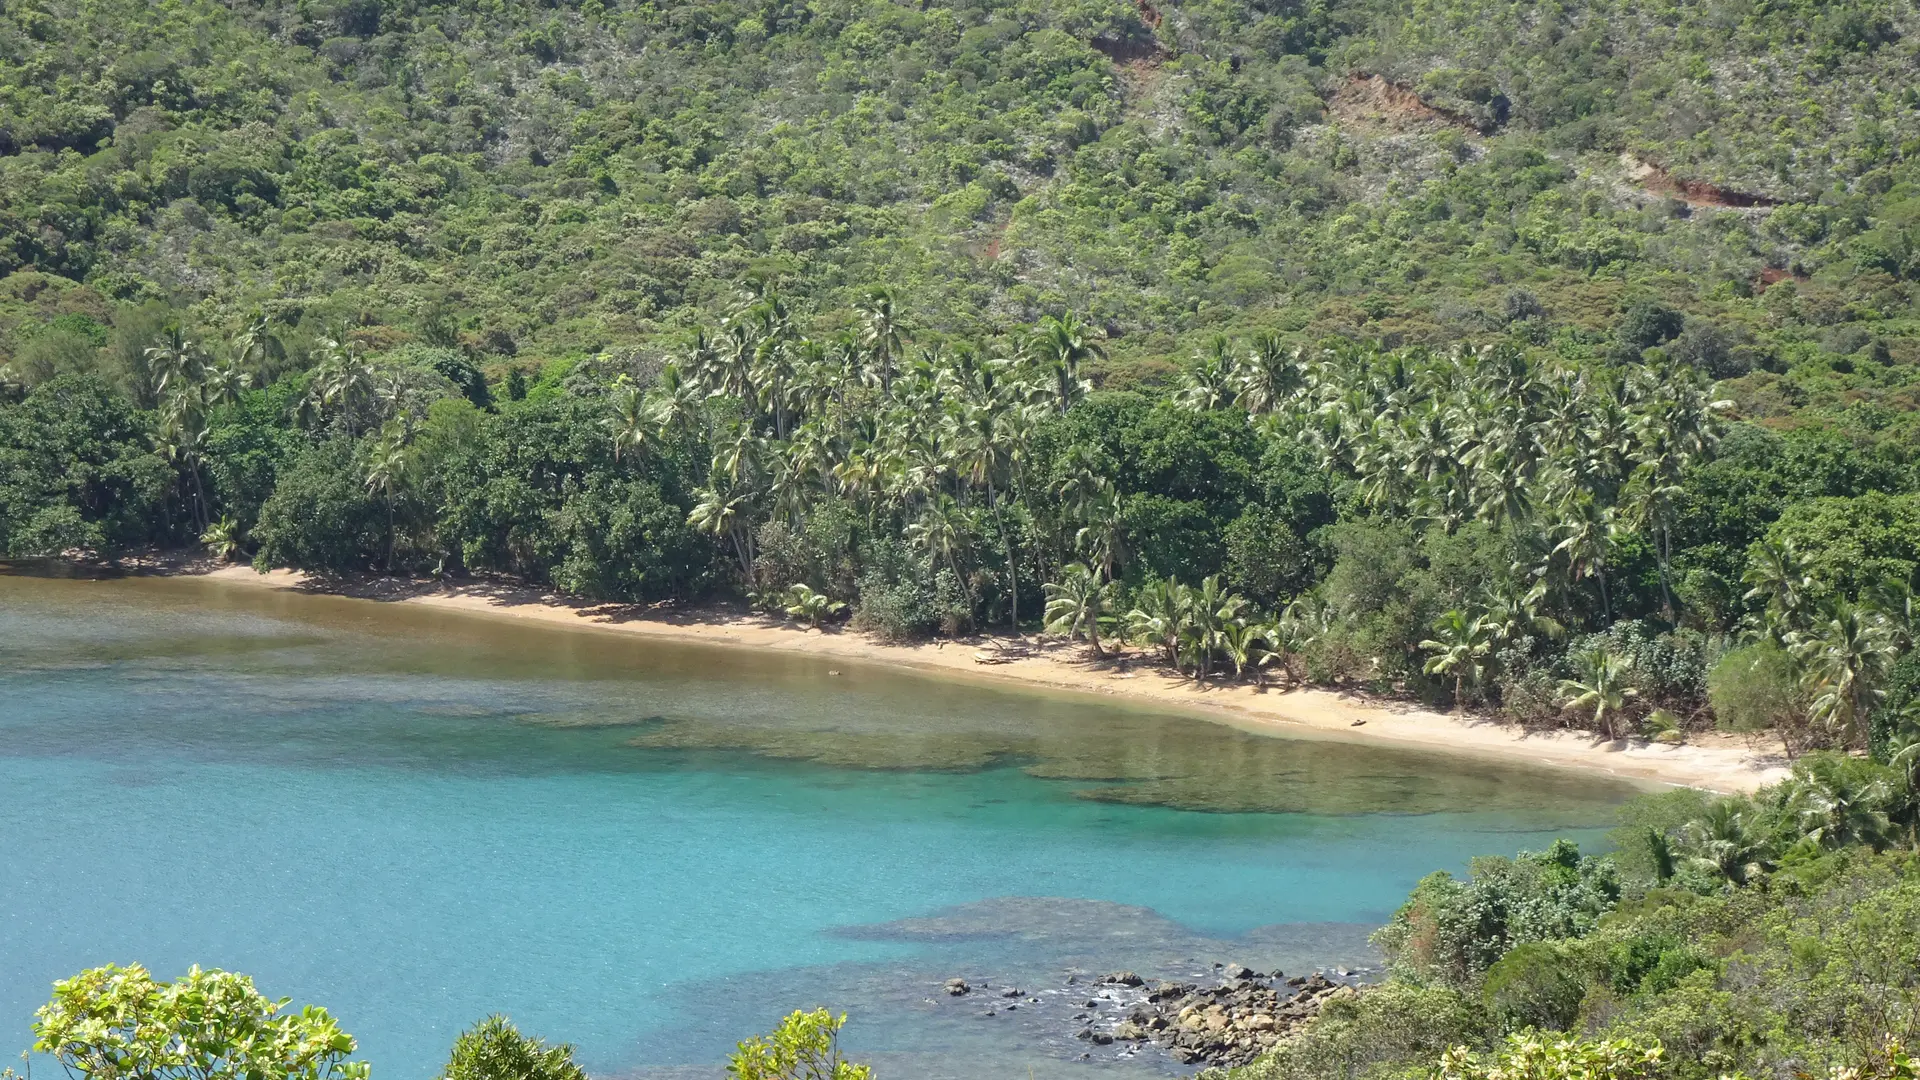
1714	762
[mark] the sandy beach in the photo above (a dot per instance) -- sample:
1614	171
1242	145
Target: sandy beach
1715	762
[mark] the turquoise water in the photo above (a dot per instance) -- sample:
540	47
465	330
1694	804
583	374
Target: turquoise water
417	818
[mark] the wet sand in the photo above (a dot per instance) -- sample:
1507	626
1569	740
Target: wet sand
1712	761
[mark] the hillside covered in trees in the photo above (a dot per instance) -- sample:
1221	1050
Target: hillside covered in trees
1553	359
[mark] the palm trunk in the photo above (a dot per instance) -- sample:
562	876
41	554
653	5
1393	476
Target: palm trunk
390	537
743	550
199	497
1663	547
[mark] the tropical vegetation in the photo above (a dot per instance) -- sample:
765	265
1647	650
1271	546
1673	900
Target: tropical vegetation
1489	357
1762	936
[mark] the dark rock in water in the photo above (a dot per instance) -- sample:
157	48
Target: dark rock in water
1073	980
1163	991
956	987
1296	981
988	1013
1228	1025
1012	991
1090	1003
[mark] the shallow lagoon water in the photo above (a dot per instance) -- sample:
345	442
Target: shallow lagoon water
651	850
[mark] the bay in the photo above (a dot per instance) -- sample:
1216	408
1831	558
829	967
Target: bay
417	817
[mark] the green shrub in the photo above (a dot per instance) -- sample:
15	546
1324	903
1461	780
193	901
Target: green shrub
804	1047
115	1023
1756	688
320	515
1449	931
494	1049
1534	985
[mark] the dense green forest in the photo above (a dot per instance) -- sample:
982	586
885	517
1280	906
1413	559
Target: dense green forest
1555	360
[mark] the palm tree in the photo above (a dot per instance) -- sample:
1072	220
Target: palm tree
1061	345
1503	491
224	538
941	531
1160	615
389	464
1903	756
181	437
258	347
1586	538
803	604
988	441
1213	609
718	513
223	384
633	421
1209	381
1269	374
1280	639
342	382
1515	616
1650	499
1837	807
1103	537
1075	604
1725	839
1897	600
1460	647
1776	575
1844	656
1241	641
175	363
1602	690
880	332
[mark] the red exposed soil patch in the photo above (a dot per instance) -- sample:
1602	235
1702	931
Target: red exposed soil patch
1692	192
1774	275
1372	99
1148	13
991	249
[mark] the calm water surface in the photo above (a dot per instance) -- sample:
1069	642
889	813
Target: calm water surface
651	850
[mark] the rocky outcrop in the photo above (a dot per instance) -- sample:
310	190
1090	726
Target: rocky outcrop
1229	1024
